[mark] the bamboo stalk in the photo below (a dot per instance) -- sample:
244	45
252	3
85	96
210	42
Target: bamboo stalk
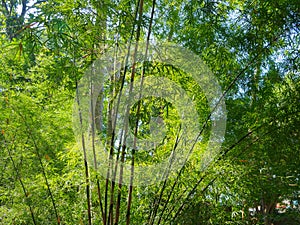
238	76
167	172
124	133
93	139
130	191
87	182
30	136
20	180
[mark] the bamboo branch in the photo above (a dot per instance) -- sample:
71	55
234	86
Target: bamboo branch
238	76
151	219
222	157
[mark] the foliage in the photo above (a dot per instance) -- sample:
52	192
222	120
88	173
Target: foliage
252	47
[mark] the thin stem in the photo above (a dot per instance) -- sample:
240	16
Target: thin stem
124	132
167	172
20	180
30	135
243	138
238	76
130	191
93	139
87	182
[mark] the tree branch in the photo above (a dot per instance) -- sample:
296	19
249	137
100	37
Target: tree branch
5	11
36	3
24	8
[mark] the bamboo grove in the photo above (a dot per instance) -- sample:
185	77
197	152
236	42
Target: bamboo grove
81	143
